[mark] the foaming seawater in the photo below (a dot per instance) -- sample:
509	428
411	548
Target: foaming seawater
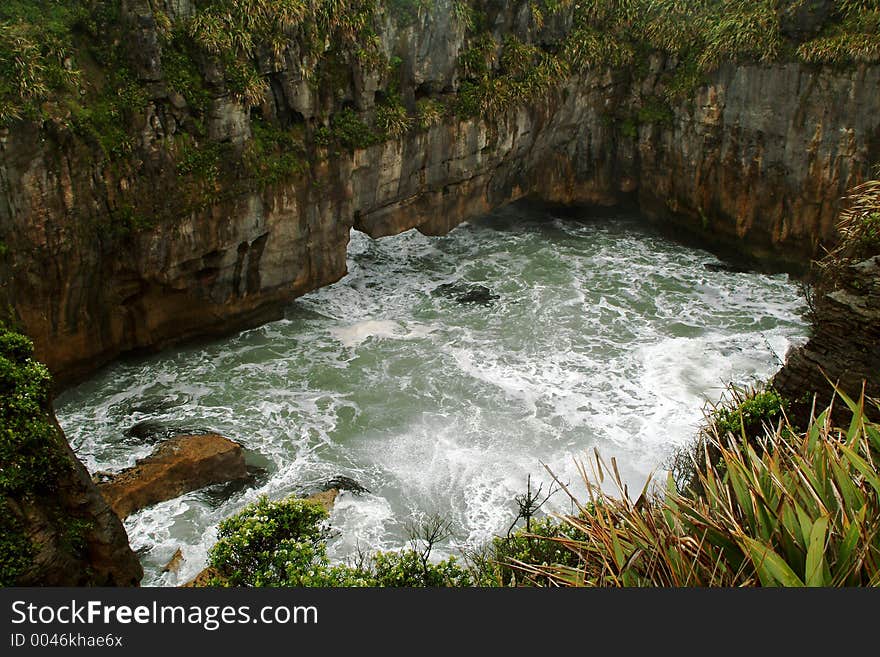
604	335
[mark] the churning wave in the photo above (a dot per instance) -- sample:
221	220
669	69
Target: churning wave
603	335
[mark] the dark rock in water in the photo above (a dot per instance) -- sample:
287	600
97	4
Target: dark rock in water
217	494
156	431
467	293
344	483
726	267
176	467
478	294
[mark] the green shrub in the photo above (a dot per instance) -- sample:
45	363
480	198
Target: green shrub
405	569
429	112
16	550
30	458
392	119
748	413
31	454
284	544
36	55
271	544
350	131
499	564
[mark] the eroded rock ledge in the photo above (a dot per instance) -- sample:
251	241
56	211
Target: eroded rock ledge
844	349
177	466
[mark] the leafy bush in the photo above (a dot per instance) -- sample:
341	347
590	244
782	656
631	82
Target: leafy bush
16	551
29	458
429	112
748	413
498	565
272	544
284	544
350	131
392	119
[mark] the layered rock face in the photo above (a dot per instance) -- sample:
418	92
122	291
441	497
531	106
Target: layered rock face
843	350
758	156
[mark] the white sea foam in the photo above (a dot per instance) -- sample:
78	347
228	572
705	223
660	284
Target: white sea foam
605	336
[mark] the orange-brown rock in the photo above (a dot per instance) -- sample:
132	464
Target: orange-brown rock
179	465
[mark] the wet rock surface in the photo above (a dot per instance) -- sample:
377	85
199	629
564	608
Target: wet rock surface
465	293
177	466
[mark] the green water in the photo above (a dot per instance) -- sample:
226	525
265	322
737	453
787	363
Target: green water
604	335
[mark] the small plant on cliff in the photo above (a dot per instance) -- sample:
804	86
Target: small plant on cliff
748	413
392	119
429	112
744	414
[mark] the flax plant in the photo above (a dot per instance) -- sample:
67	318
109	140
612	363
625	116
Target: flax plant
791	509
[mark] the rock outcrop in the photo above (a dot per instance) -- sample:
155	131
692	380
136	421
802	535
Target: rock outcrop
758	155
177	466
844	349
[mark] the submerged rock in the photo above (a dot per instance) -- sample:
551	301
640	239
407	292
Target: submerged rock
154	430
342	482
467	293
177	466
727	267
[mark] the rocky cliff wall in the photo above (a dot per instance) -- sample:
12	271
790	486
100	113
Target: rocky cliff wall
843	350
108	255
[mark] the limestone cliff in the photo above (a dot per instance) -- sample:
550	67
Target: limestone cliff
193	231
843	349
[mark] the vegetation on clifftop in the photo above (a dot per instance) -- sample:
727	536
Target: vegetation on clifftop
141	92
